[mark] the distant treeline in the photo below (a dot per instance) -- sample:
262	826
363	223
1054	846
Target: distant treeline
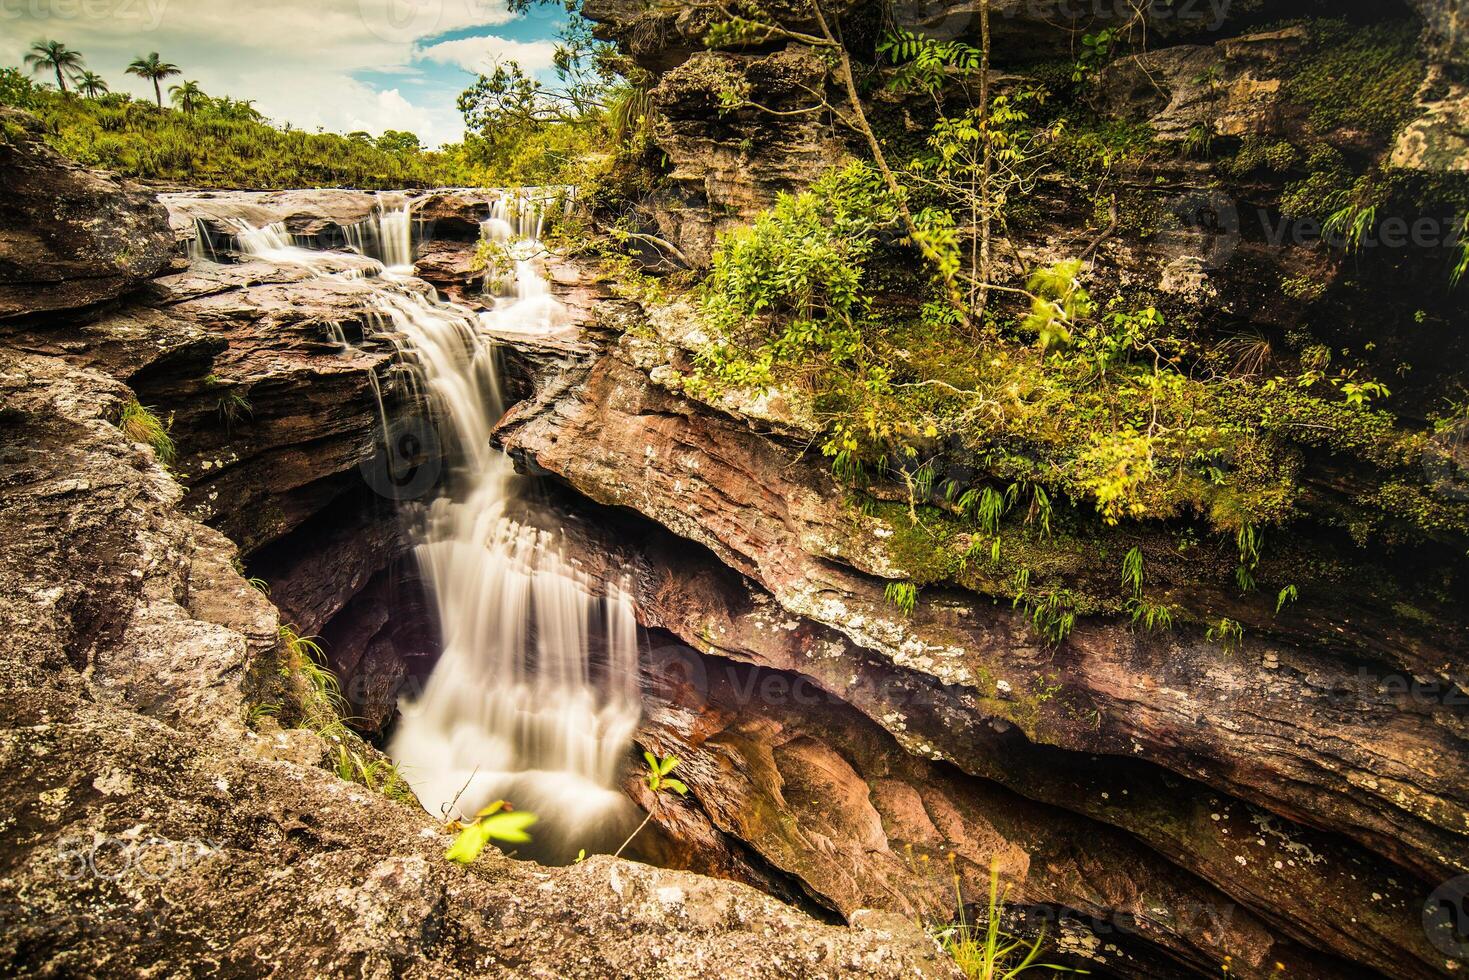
223	142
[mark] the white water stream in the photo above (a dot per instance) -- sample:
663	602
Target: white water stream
535	698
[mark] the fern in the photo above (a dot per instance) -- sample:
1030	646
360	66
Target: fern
1352	223
1227	633
1053	619
1248	541
1461	268
1288	596
904	595
1132	572
1040	510
1152	617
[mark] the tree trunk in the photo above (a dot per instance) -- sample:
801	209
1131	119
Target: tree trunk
859	118
987	177
158	92
60	81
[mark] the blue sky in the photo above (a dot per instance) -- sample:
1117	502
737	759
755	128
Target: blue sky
338	64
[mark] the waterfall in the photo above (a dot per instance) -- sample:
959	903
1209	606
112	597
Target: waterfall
201	246
271	242
535	698
387	235
516	224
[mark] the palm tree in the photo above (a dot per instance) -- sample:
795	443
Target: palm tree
54	56
154	68
243	109
188	97
92	85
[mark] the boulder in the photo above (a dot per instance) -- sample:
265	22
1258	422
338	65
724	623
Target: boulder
70	237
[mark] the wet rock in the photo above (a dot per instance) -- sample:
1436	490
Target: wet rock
1438	140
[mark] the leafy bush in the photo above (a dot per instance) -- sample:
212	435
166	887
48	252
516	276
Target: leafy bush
790	285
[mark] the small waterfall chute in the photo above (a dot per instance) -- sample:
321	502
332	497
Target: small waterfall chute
387	234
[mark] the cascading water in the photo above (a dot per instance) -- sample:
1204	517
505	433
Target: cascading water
515	225
201	246
535	697
387	235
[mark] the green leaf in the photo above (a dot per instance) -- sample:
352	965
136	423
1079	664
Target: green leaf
652	761
509	827
666	766
677	786
468	845
493	808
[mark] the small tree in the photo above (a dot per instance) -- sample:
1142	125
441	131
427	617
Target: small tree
92	85
658	781
188	97
399	141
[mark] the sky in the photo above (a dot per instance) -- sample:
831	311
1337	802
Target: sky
342	65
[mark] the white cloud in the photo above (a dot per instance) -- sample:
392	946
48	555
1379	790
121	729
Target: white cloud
476	54
300	61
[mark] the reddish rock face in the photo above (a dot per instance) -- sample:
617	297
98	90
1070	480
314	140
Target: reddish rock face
149	800
1216	760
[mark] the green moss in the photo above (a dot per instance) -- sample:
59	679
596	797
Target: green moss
1359	78
927	551
1262	153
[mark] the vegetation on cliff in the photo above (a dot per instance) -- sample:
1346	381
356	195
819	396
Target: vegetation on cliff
1008	397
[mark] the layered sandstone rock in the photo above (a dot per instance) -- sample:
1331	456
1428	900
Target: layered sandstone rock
157	822
69	236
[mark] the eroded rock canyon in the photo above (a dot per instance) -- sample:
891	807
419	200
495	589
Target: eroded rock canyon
1161	805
